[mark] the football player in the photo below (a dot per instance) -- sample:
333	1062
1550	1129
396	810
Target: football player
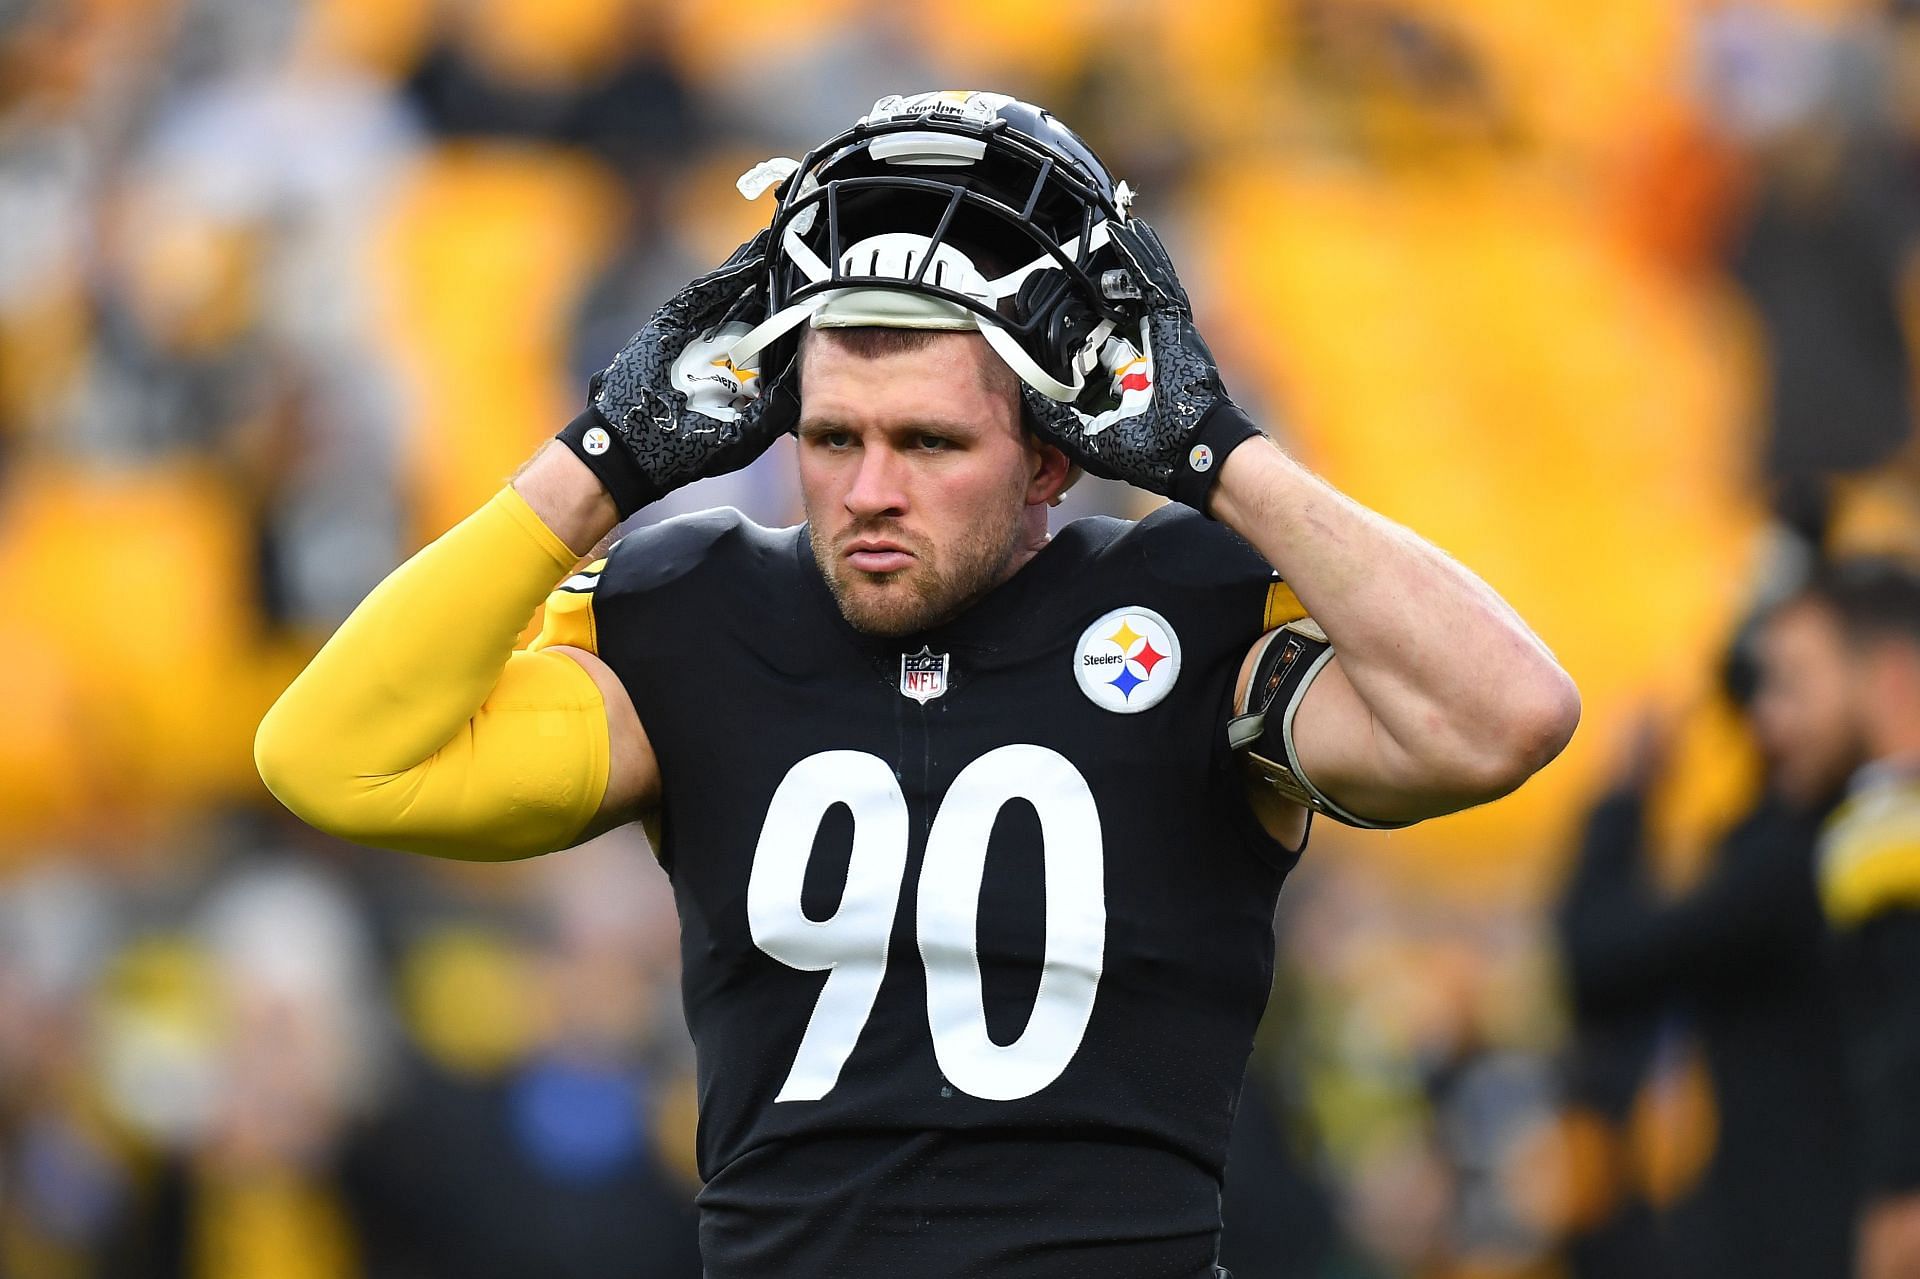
975	828
1870	885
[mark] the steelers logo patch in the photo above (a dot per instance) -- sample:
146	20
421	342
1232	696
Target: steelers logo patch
1127	661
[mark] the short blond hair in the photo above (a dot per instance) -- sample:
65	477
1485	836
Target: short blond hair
871	342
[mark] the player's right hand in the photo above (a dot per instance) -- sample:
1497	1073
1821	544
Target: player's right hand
672	407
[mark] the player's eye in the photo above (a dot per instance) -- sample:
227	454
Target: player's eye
933	443
831	439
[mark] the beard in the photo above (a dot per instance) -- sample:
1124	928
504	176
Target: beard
938	585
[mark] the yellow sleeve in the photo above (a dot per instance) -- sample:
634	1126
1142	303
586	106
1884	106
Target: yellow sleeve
417	727
1870	856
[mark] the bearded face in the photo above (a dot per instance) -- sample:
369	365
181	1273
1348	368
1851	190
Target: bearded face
915	474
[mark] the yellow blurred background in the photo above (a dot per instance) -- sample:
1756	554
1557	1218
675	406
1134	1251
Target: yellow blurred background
288	288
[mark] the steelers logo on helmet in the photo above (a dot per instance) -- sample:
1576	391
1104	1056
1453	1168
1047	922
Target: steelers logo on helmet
976	210
717	382
1128	661
969	104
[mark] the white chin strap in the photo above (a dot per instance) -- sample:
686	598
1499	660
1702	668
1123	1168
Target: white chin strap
898	257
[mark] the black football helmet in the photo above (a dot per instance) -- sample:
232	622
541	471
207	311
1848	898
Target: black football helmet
949	210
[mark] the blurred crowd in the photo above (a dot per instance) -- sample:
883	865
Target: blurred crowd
1617	306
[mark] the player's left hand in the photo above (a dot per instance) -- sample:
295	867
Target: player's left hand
1168	423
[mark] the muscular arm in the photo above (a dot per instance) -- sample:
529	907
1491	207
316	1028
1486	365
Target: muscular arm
418	726
1440	697
571	502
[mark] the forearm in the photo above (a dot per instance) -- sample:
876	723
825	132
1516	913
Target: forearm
566	497
417	725
1461	700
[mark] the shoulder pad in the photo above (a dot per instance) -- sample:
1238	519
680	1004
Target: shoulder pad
659	554
1186	548
1870	855
1181	546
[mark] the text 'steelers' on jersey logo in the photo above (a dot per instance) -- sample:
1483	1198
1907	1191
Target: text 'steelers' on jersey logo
923	675
1127	661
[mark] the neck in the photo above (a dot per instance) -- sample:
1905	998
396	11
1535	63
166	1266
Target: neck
1034	536
1893	730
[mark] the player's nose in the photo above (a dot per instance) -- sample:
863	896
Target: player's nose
877	487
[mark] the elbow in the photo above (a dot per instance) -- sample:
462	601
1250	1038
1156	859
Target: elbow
321	789
443	811
1534	722
1552	713
297	771
287	770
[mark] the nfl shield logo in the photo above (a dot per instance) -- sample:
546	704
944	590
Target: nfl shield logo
923	675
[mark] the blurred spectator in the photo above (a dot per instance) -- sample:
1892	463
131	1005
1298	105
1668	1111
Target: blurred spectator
540	1125
1611	1227
188	1122
1870	884
1410	1035
1395	84
593	75
1737	958
1825	247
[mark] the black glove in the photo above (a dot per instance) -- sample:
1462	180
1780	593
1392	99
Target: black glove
672	408
1165	423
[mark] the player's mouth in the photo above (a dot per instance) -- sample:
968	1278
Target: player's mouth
877	555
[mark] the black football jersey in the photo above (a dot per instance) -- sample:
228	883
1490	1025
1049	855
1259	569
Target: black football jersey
976	925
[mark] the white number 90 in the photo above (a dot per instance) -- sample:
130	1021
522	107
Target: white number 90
852	944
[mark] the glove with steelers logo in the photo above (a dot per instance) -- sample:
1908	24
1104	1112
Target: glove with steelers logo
673	407
1166	423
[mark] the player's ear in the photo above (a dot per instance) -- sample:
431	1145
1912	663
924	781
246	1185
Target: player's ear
1049	473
